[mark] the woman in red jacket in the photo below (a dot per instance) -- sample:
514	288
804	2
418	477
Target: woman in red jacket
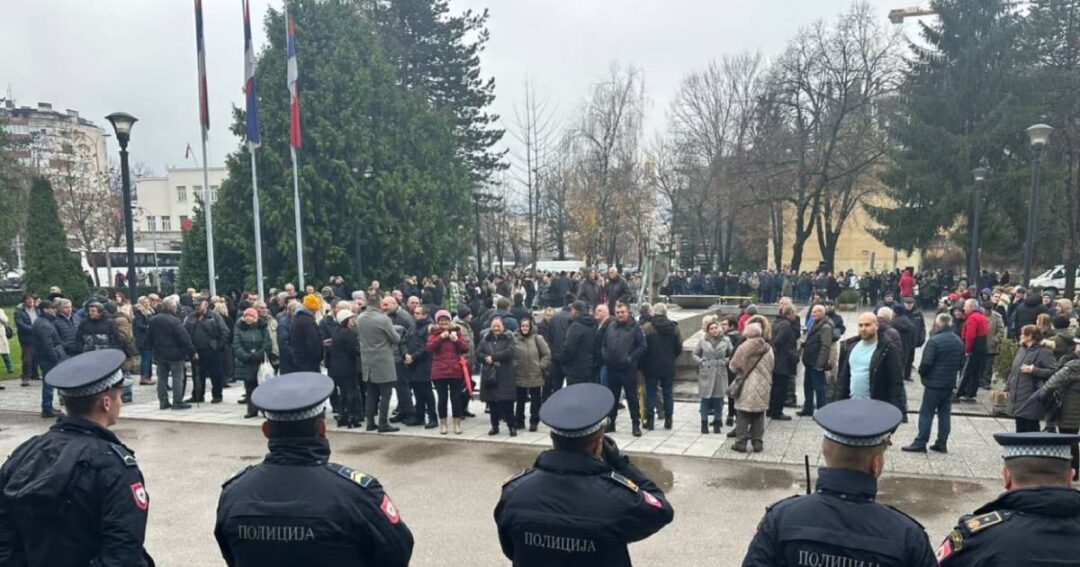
446	343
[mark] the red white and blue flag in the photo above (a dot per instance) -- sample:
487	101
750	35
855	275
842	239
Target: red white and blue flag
293	83
200	45
254	139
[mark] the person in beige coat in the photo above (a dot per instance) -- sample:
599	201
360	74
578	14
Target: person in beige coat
532	356
752	364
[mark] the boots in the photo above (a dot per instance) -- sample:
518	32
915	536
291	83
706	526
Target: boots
442	427
371	424
635	429
248	389
457	426
649	423
704	427
730	420
716	426
667	422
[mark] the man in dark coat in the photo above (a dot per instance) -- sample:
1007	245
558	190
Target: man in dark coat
590	290
576	352
1027	312
815	359
624	345
307	347
941	362
418	361
210	335
172	346
67	325
1036	521
560	324
664	344
48	352
616	289
25	315
870	366
785	339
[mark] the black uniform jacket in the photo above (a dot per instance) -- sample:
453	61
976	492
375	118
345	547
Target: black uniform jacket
296	508
73	496
1034	527
840	524
572	509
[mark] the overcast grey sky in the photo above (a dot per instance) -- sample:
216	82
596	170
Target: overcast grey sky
139	55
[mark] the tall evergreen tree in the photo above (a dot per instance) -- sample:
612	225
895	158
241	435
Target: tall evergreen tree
382	181
963	104
48	260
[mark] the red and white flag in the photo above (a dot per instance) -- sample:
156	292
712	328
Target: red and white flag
293	82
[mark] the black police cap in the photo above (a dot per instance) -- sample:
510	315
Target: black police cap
577	410
88	373
858	423
1036	444
293	397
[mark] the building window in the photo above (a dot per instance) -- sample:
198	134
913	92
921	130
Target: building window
181	194
213	193
166	224
197	190
151	224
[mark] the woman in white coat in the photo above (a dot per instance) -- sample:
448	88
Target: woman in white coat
711	354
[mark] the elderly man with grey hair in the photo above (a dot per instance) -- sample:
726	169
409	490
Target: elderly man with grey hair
172	346
942	359
664	344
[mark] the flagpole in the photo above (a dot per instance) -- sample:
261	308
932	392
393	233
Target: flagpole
209	208
299	233
258	229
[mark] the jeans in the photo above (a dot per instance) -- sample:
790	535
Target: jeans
1024	425
714	404
532	395
666	383
208	366
778	393
46	390
603	376
425	400
379	395
935	401
146	362
813	390
176	369
127	397
450	389
624	381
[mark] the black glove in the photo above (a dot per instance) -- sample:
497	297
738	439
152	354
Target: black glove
611	454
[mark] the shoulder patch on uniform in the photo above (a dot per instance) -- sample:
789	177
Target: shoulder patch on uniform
125	455
952	544
235	476
516	476
622	480
904	514
357	477
978	523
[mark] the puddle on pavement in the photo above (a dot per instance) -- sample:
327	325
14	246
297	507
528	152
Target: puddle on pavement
518	458
758	478
354	449
925	497
416	452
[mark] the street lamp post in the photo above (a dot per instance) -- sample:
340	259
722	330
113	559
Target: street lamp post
1039	134
122	123
976	197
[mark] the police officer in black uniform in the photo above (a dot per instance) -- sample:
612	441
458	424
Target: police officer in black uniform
1036	521
74	496
841	523
583	501
298	508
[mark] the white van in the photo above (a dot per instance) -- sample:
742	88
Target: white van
1053	280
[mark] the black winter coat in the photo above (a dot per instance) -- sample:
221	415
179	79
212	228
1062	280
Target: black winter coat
578	347
616	290
73	496
497	380
785	340
818	344
415	344
97	334
47	345
886	372
560	324
624	345
590	292
68	329
341	358
306	345
168	338
663	345
1028	311
942	359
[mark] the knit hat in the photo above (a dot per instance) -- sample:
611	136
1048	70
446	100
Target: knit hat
312	302
252	312
343	315
442	313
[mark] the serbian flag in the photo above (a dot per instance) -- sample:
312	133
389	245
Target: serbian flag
254	140
200	46
293	82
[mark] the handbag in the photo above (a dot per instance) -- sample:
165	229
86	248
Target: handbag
8	332
735	389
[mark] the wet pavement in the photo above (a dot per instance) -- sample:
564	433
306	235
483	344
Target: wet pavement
447	488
